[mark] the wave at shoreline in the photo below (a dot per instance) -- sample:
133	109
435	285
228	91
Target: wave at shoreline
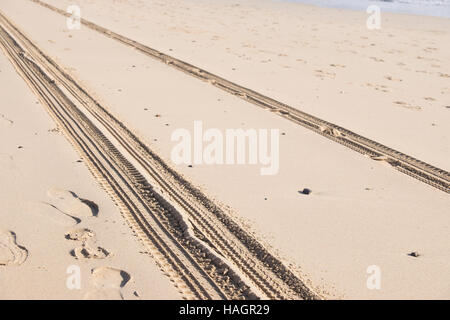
436	8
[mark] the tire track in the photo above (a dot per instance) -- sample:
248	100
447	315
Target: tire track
411	166
209	256
125	186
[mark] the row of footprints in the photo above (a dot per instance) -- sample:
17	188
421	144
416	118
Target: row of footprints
66	209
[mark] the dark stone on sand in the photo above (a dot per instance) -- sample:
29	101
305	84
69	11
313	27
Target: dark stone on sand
414	254
305	191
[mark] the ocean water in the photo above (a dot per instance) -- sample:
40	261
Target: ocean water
437	8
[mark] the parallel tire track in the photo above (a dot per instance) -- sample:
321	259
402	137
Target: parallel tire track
415	168
211	255
115	175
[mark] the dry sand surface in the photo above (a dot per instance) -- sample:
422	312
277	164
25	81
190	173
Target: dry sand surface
390	85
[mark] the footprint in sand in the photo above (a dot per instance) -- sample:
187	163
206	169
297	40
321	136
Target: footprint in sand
335	65
87	252
69	203
324	74
11	254
51	213
430	49
376	59
407	106
89	248
107	283
81	234
390	78
378	87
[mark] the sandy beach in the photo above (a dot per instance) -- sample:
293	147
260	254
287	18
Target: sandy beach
358	182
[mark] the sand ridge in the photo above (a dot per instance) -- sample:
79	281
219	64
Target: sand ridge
11	254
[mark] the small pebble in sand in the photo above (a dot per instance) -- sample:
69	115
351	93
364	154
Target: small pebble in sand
145	109
190	166
19	147
157	116
79	161
305	191
414	254
283	133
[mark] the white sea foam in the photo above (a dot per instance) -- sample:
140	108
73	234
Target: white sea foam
438	8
